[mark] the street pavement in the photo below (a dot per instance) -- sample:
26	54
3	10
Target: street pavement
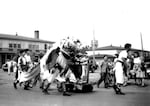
135	95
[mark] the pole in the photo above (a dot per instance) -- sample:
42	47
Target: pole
93	47
142	44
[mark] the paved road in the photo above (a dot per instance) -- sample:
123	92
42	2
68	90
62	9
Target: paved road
135	96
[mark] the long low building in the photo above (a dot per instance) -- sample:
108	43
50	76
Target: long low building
11	44
112	50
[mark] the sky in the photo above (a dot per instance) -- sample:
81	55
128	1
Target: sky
114	22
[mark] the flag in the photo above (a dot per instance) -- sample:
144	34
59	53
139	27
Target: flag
26	76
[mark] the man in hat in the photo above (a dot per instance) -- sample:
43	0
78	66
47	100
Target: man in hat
22	66
29	65
28	59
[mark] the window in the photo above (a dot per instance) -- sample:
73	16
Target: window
0	44
19	45
37	47
30	46
34	47
10	45
15	45
45	46
37	50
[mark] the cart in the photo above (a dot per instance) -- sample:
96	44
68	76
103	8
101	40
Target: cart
81	72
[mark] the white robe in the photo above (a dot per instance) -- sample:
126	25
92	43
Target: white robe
119	74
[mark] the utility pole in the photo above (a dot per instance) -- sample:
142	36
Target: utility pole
142	44
93	47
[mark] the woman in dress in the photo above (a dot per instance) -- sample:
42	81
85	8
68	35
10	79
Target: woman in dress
139	69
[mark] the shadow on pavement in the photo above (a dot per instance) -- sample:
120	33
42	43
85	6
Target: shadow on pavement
1	83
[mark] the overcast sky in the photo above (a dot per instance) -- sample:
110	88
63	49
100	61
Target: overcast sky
114	21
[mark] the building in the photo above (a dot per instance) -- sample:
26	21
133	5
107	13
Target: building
110	51
11	44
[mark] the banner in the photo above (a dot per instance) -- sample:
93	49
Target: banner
26	76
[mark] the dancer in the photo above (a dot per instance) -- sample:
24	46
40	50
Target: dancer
30	66
22	66
49	61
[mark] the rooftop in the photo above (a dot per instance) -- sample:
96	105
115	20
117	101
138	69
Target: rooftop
111	47
102	55
22	38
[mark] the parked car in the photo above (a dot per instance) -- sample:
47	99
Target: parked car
5	67
147	65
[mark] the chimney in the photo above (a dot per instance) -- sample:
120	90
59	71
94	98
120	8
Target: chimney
36	34
16	34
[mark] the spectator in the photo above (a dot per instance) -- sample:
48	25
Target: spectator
103	72
9	66
138	68
110	73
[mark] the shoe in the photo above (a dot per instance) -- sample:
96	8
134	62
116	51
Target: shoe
45	92
116	89
26	88
124	85
117	92
15	85
121	93
30	86
97	86
66	94
142	85
106	86
41	87
20	84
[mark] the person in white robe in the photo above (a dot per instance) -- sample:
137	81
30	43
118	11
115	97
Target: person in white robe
119	69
